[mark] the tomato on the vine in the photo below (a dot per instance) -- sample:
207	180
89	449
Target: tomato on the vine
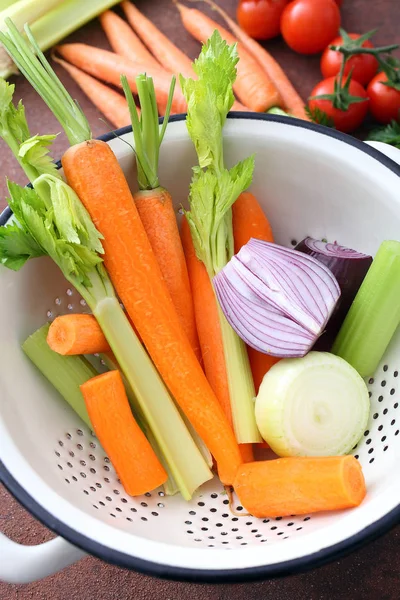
308	26
362	66
261	19
384	100
344	120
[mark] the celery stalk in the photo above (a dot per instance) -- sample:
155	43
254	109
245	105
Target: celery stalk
21	12
65	373
53	21
52	221
213	191
374	315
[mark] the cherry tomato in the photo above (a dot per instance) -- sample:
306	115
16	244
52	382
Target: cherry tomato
344	120
261	19
363	66
308	26
384	100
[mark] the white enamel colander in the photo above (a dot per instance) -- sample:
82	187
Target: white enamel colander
310	181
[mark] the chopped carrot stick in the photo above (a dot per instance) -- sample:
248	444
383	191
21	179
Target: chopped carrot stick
290	97
253	86
209	330
300	485
124	41
108	67
250	221
133	458
76	334
93	172
113	106
170	56
159	220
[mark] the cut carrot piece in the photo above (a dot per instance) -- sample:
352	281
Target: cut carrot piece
209	330
301	485
113	106
109	67
124	41
290	97
250	221
159	220
76	334
253	86
93	172
172	58
133	458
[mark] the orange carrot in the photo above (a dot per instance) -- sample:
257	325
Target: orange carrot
300	485
109	67
93	171
290	97
209	330
159	220
121	437
250	221
253	86
113	106
169	55
124	41
76	334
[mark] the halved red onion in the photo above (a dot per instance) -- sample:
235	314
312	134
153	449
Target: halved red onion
349	268
278	300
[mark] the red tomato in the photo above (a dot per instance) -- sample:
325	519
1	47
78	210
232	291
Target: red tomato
308	26
364	66
384	100
261	19
344	120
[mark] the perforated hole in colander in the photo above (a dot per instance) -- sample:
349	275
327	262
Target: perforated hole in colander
207	520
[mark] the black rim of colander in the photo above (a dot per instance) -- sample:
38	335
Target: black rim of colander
281	569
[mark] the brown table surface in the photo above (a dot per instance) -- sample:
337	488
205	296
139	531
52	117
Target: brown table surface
372	572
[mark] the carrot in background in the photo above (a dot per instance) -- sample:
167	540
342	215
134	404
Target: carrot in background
109	66
171	57
94	173
133	458
250	221
253	86
109	102
155	206
300	485
209	330
124	41
290	97
77	334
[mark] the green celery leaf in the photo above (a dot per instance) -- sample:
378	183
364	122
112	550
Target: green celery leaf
34	151
70	216
12	118
17	246
50	228
209	98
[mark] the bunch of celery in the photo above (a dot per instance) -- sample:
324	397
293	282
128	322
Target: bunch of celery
50	20
52	221
213	191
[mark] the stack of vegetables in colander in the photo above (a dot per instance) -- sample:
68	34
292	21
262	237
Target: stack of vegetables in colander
209	322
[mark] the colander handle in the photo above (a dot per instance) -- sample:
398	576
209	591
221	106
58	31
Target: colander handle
24	564
390	151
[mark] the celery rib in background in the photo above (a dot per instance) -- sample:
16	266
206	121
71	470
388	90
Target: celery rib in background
50	21
374	315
